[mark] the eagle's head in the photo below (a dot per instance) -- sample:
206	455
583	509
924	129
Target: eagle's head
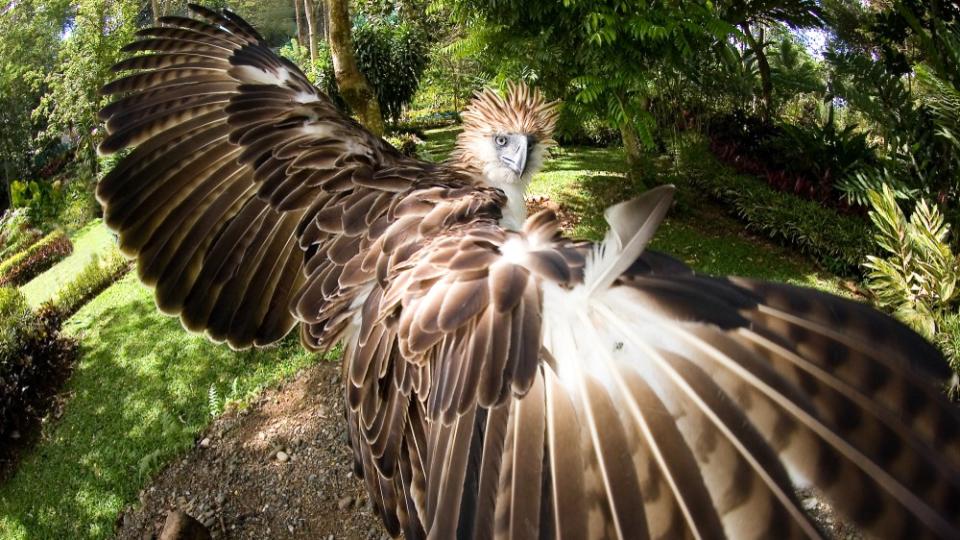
504	137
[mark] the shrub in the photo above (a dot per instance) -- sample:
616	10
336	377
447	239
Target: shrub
31	262
918	275
392	55
838	242
406	143
16	234
79	205
94	278
32	355
806	159
42	199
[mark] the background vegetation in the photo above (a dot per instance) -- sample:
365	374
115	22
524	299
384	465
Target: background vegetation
813	141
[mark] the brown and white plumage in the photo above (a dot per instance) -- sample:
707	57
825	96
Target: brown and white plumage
501	380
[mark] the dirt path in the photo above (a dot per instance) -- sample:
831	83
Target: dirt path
237	481
280	469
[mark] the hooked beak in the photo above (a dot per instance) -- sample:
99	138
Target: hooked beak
515	155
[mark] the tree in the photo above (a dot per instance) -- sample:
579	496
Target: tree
301	25
606	55
353	85
391	54
29	35
99	28
754	17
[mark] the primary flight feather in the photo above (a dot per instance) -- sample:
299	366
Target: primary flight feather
502	380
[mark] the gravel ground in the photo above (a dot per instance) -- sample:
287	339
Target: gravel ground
280	469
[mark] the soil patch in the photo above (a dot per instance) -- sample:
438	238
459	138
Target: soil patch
281	468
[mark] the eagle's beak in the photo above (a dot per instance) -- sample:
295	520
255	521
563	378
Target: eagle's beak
515	155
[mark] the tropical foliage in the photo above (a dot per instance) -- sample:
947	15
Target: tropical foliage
917	276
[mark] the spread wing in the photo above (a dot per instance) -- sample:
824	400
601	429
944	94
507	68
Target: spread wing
510	383
236	155
515	384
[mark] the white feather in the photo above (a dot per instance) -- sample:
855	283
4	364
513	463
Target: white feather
632	225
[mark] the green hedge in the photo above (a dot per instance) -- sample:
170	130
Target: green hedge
840	243
94	278
36	259
32	356
16	234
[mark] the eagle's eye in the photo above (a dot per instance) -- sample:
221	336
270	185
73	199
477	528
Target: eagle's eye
501	140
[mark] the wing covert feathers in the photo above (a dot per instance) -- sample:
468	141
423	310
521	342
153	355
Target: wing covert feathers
510	383
236	156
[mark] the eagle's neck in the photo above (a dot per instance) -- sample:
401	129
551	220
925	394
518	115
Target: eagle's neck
515	211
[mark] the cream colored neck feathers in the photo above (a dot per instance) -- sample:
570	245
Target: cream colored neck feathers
491	119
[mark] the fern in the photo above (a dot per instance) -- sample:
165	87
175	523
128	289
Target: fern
214	403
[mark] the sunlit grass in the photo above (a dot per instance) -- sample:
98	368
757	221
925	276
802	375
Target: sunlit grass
138	397
91	240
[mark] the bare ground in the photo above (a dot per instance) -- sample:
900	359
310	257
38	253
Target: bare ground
279	469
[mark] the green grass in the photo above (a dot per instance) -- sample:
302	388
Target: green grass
138	398
696	231
91	240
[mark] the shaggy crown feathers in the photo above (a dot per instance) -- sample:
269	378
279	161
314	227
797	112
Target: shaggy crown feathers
522	110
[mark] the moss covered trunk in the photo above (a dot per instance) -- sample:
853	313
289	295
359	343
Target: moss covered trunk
353	85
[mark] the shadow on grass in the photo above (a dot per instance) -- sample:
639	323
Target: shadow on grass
139	396
696	230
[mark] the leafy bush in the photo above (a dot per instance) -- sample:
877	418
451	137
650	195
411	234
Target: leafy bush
392	55
806	159
918	275
94	278
836	241
41	199
581	128
822	153
36	259
79	205
32	353
916	120
406	143
16	234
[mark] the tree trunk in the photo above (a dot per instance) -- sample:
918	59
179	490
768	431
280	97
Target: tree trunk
311	15
301	26
155	11
638	162
763	66
323	23
353	85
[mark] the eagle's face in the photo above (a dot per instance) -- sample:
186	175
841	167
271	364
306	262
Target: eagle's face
504	137
508	158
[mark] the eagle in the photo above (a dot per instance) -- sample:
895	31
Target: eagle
500	379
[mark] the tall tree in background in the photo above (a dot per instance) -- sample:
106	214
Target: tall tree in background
99	29
29	35
353	85
753	17
301	25
605	54
311	15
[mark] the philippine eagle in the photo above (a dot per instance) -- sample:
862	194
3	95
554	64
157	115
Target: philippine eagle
500	379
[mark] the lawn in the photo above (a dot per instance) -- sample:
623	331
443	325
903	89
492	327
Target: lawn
137	398
140	392
92	240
